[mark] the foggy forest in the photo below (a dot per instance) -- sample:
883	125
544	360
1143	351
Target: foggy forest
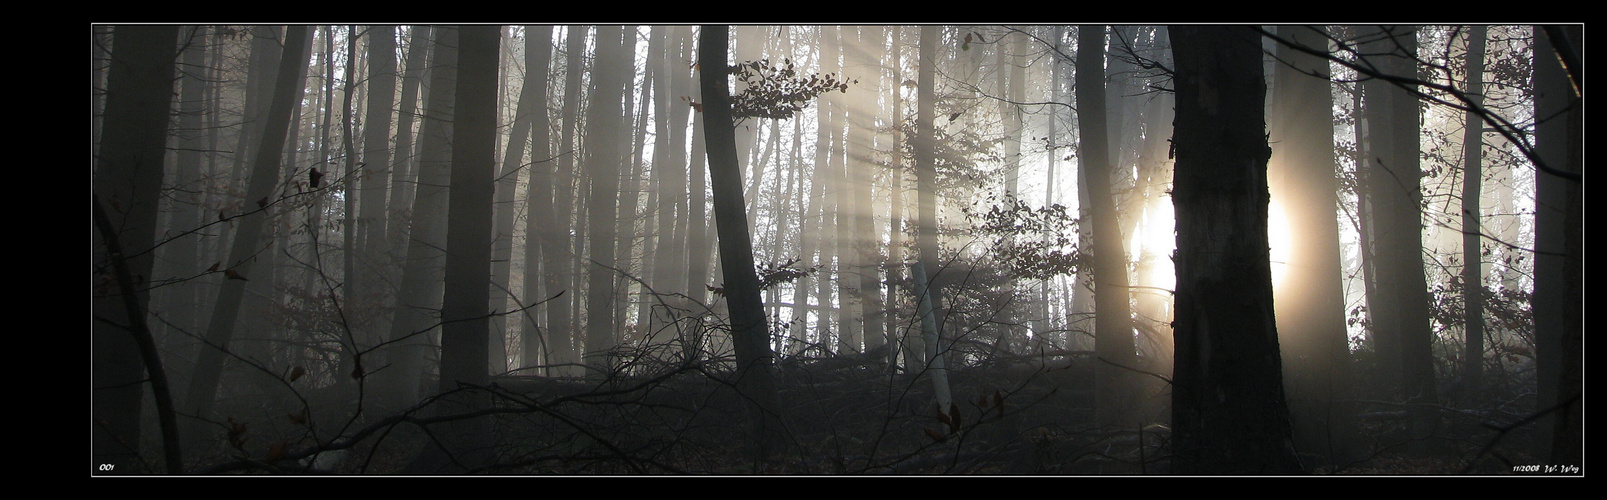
986	250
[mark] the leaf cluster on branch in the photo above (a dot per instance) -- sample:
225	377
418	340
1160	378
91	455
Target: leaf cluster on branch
778	92
1034	243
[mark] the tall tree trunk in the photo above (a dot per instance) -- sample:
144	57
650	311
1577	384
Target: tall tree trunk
412	327
1311	303
669	277
929	300
895	213
1558	261
812	230
669	157
183	256
838	188
659	225
377	169
264	176
464	318
1228	410
127	179
539	217
507	182
465	322
1395	181
631	185
697	223
603	159
402	191
1472	183
1113	330
563	336
867	241
749	330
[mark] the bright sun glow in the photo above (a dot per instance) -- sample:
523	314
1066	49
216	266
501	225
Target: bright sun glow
1278	241
1157	236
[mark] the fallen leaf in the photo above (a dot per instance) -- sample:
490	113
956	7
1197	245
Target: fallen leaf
276	451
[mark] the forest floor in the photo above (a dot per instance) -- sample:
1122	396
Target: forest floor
842	416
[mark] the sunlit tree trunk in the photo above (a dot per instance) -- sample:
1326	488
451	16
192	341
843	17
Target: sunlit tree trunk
1228	412
1113	330
839	188
127	180
895	213
929	300
864	242
826	235
872	39
1054	153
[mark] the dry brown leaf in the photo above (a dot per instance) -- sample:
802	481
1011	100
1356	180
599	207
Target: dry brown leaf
276	451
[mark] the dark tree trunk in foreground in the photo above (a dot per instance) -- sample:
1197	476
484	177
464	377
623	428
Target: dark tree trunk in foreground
1228	410
1113	323
465	324
128	178
749	331
1311	304
1558	263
